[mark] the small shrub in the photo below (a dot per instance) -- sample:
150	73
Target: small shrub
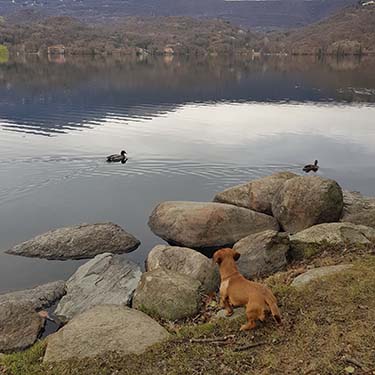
4	54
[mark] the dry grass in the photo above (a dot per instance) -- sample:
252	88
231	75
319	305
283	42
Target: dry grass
327	325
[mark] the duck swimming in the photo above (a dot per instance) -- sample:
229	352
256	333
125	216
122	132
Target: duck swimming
311	167
117	158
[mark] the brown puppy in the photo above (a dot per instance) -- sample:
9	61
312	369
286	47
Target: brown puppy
235	290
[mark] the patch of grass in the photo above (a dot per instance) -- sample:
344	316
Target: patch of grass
195	331
4	54
324	250
28	362
327	321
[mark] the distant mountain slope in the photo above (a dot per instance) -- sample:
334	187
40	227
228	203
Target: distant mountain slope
349	32
263	13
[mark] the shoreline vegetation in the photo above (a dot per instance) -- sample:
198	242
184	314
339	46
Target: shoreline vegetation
349	32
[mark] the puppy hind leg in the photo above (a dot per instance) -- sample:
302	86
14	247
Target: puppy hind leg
249	325
251	315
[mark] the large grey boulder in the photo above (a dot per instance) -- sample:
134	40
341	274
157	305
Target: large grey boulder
40	297
78	242
20	326
256	195
206	225
168	295
104	329
323	237
318	273
262	254
305	201
106	279
359	209
186	261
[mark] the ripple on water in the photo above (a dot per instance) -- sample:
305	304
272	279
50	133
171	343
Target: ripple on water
33	171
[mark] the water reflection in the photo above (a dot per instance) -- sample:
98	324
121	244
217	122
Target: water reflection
51	98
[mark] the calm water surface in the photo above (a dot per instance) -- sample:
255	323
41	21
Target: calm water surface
191	128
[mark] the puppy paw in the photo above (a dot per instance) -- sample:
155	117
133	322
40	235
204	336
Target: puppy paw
248	326
228	313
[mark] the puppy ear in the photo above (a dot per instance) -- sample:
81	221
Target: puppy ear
217	259
236	255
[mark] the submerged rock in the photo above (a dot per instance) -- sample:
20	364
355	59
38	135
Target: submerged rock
256	195
318	273
40	297
20	326
78	242
168	295
322	237
305	201
185	261
262	254
104	329
106	279
206	225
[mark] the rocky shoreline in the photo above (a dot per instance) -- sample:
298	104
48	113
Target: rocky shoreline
110	305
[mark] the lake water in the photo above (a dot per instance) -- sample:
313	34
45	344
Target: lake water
191	128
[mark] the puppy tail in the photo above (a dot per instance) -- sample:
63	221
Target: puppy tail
274	311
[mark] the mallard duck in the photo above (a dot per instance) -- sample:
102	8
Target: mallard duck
311	167
117	158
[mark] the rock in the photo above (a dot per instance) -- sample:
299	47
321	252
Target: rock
305	201
206	225
318	273
168	295
238	312
256	195
355	202
103	329
366	218
20	326
185	261
78	242
262	254
42	296
359	209
105	280
322	237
